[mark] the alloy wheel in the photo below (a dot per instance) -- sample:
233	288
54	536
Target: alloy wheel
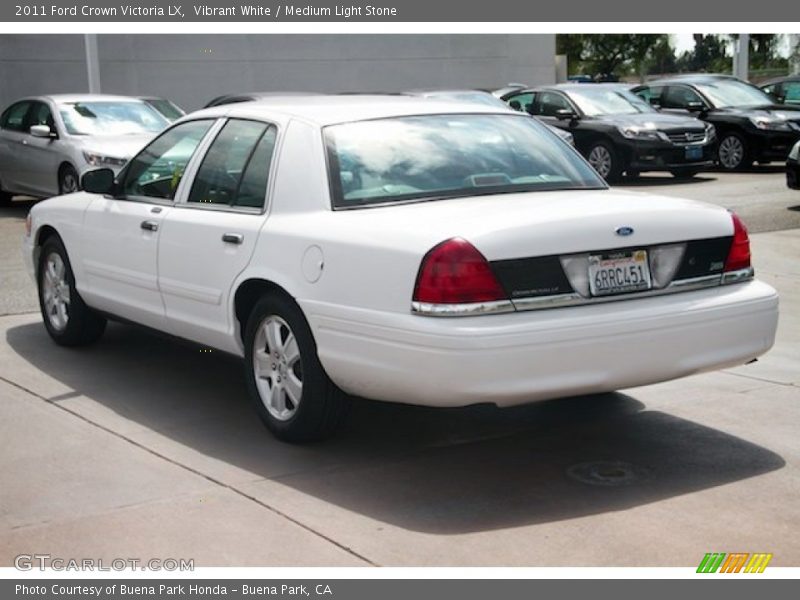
69	183
55	292
731	152
600	159
278	368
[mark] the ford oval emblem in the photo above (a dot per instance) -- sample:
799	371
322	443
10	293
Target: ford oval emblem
624	230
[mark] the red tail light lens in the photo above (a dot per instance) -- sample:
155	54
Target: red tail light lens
739	254
454	272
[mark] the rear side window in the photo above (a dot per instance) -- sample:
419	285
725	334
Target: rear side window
522	102
680	97
14	118
235	169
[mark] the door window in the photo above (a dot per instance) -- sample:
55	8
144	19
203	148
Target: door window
681	97
40	114
550	103
235	169
651	95
522	102
14	118
791	91
157	170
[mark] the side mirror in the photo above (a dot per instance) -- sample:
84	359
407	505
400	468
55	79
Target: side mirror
695	106
98	181
564	114
41	131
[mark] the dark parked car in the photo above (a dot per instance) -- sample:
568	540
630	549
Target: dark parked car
785	90
750	125
619	133
793	168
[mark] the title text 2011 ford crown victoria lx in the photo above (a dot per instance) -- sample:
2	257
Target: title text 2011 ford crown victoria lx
398	249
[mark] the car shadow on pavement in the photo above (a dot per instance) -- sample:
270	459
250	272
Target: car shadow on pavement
439	471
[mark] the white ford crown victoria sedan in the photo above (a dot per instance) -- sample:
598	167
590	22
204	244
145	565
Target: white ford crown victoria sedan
398	249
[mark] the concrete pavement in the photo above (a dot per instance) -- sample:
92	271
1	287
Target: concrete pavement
141	446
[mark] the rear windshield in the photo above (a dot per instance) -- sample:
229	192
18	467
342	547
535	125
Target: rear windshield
444	156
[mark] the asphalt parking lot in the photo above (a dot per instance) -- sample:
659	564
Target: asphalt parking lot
145	447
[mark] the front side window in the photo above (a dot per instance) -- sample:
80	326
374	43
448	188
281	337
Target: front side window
157	170
235	169
445	156
681	97
40	115
651	94
522	102
110	117
14	117
550	103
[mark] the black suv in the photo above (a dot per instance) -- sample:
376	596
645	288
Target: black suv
619	133
750	126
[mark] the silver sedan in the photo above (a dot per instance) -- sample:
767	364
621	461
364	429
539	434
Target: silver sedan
48	142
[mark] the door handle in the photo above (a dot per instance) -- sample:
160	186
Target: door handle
149	225
232	238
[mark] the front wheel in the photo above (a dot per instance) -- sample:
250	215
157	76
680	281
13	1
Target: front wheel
66	317
605	161
68	181
733	154
290	390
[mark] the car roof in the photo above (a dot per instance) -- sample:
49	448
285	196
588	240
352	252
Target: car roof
325	110
69	98
780	80
566	87
693	78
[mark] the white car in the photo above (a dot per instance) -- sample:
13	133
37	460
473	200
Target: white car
399	249
48	142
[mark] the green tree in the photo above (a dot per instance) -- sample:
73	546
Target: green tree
611	54
709	55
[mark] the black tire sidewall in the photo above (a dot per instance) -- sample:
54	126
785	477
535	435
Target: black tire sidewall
83	326
308	422
62	175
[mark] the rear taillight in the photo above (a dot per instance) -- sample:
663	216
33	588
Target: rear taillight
454	272
739	254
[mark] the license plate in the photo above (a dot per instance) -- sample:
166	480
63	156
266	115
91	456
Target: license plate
619	272
694	152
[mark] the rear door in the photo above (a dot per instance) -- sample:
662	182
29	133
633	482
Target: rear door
210	235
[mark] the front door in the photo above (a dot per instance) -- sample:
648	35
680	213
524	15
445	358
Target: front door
121	235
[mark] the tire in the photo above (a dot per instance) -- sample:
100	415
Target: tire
605	161
5	198
733	153
687	173
68	181
290	390
66	317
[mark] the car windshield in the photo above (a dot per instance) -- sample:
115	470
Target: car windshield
110	118
444	156
729	92
595	101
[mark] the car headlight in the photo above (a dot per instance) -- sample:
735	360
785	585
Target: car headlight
101	160
795	153
711	131
636	132
770	124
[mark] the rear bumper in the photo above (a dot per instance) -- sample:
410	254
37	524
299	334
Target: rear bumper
523	357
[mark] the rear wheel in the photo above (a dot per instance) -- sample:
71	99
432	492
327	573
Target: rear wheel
290	390
68	181
66	317
733	154
605	161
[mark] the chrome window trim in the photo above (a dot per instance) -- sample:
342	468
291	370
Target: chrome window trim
575	299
